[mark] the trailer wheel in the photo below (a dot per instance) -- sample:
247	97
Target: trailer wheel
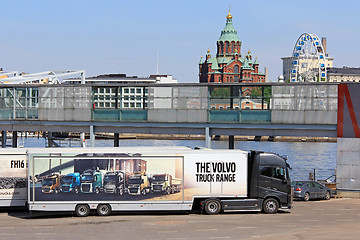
168	190
82	210
270	206
103	210
212	207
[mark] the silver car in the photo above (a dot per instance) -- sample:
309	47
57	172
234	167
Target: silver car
307	190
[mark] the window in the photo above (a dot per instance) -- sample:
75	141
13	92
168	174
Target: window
274	172
236	69
266	171
138	90
279	173
132	90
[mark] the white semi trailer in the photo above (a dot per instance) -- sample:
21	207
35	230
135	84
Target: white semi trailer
211	180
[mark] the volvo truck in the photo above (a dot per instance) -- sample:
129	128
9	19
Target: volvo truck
165	183
71	183
51	183
114	182
211	180
92	181
138	183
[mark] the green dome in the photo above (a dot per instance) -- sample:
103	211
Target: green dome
229	33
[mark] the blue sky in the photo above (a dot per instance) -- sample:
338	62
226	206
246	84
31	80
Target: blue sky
125	36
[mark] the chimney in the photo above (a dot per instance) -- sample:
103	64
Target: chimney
323	42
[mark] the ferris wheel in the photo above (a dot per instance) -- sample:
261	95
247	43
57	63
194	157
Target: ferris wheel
308	60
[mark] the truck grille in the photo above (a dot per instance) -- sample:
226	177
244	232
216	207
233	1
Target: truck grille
65	188
109	190
85	187
133	190
157	187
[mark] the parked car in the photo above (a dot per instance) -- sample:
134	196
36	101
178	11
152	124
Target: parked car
307	190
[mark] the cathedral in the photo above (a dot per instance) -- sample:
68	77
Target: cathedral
229	66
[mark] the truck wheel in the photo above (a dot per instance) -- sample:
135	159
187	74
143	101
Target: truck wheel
270	205
97	190
76	190
82	210
168	190
56	191
143	192
212	207
103	210
121	191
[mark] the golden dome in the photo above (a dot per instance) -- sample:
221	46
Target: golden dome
229	16
208	51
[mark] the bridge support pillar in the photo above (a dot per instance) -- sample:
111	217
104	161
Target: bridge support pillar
207	137
3	139
231	142
14	139
347	167
116	140
82	139
92	136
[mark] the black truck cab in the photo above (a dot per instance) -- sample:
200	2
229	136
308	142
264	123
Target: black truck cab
269	178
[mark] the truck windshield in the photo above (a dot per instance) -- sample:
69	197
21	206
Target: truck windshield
110	178
158	178
135	181
47	182
86	178
66	180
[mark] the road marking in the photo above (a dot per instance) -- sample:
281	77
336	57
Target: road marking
345	220
42	227
219	237
7	227
167	231
244	227
205	230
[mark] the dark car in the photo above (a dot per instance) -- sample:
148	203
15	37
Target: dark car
307	190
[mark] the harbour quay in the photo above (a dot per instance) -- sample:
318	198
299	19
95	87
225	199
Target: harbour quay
333	219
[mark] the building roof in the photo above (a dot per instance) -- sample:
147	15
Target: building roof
229	33
344	70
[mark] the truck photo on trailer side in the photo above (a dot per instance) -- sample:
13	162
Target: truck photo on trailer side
51	183
114	182
160	179
165	183
71	183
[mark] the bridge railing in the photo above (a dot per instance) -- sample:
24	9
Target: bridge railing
235	103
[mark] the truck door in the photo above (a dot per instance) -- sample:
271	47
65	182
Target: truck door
273	180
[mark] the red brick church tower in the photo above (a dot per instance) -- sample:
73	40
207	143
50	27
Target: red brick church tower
228	66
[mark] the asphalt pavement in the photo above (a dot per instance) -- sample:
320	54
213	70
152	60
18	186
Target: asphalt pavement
333	219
